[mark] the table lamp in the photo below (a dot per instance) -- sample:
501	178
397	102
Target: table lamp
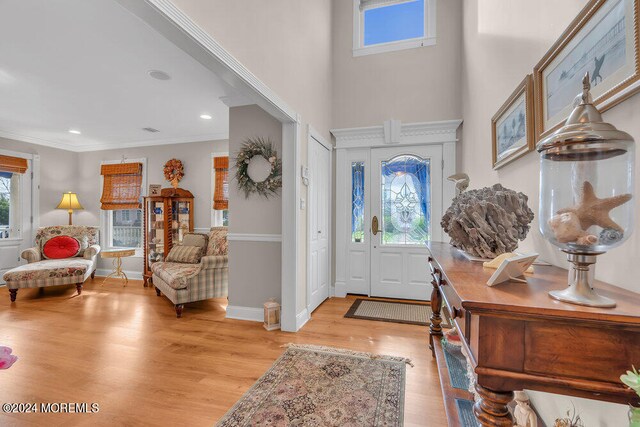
69	202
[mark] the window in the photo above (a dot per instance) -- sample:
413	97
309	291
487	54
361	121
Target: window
388	25
11	170
122	186
357	202
220	183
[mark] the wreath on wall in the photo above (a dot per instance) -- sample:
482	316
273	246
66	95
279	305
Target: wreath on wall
258	147
174	171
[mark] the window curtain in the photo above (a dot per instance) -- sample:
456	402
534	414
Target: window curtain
122	186
10	165
221	189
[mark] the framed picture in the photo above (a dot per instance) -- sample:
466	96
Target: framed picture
603	41
512	129
154	189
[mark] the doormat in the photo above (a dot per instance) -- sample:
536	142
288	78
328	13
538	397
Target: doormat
323	386
392	311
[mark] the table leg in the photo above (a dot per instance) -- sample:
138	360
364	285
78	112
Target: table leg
435	330
491	410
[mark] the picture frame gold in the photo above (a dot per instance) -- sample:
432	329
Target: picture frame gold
593	40
521	101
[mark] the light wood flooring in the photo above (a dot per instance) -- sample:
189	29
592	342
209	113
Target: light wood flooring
123	348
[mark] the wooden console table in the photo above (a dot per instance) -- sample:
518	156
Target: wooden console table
520	338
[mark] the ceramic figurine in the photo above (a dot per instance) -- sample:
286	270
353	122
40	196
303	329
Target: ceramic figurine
523	414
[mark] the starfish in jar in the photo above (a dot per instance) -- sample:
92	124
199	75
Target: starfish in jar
593	211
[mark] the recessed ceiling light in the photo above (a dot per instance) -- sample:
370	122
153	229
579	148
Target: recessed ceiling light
205	116
159	75
75	131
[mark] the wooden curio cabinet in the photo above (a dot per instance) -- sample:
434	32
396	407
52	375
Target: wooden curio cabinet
167	218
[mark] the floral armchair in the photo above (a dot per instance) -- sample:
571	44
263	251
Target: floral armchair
189	282
40	272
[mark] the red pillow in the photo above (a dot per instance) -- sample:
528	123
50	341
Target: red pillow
61	247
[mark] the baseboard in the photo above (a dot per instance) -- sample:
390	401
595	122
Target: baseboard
245	313
340	289
302	318
131	275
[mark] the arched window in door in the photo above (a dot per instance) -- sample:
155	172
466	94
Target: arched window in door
406	199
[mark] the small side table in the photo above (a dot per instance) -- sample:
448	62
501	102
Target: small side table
117	255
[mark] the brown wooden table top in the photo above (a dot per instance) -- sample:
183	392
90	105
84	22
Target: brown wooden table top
469	281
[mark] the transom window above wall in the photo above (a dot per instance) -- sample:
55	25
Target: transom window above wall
387	25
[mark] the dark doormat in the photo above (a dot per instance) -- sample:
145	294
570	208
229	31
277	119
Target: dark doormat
391	311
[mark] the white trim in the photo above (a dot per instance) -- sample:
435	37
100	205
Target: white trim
429	38
302	318
313	134
105	219
290	219
254	237
131	275
410	134
245	313
201	230
102	146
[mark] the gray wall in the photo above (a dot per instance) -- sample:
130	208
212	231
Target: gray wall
196	157
254	267
413	85
57	175
502	43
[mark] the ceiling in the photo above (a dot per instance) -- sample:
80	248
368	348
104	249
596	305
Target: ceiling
83	65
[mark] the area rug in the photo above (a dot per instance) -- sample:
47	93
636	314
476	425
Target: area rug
392	311
323	386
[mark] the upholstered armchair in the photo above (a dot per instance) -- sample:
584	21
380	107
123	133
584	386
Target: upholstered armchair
185	282
40	272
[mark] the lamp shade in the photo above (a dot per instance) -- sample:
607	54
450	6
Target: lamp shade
69	201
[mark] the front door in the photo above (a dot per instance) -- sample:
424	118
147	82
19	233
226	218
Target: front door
406	206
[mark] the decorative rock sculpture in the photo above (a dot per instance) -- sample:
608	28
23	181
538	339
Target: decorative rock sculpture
488	222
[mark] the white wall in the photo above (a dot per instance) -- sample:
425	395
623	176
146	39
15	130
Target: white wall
502	42
196	157
254	267
287	45
57	175
413	85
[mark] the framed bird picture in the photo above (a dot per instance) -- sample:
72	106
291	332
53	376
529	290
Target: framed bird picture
603	40
512	129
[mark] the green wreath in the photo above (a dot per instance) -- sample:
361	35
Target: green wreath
258	147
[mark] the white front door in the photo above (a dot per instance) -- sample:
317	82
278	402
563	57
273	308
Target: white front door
15	217
406	200
319	192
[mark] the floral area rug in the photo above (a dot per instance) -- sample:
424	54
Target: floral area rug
323	386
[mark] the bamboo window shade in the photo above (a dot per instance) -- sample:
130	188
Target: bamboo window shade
122	186
13	164
221	192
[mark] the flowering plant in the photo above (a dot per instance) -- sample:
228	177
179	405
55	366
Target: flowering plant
173	171
258	147
632	380
6	358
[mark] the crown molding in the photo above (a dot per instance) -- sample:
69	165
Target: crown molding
103	146
410	134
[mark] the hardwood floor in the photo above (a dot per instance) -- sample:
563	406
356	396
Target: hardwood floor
123	348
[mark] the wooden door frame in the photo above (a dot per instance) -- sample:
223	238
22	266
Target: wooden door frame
312	134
